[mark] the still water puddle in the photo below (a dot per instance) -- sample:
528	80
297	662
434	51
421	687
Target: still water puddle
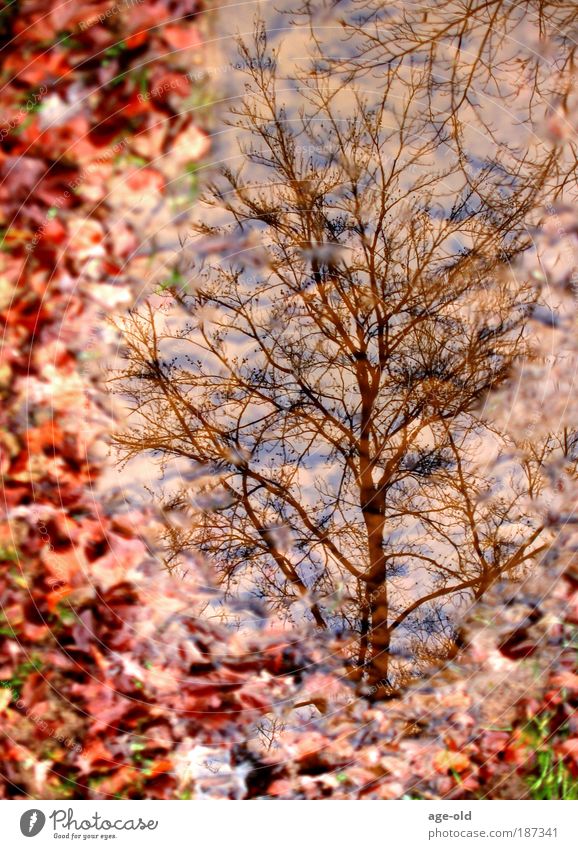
308	382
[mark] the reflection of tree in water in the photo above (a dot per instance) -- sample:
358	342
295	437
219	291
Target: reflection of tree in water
327	369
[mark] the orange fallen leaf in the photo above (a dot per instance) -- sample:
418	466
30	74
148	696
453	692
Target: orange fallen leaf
5	698
566	680
182	38
446	761
569	748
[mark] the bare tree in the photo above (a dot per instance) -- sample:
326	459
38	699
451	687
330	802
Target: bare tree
328	369
495	67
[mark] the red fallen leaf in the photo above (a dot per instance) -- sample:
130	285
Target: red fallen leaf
47	435
566	680
301	748
572	610
18	753
126	776
67	16
253	702
54	598
68	140
51	192
136	39
101	661
148	16
38	68
518	645
493	742
105	709
531	707
552	698
469	783
5	461
27	315
361	776
95	753
113	567
34	691
20	174
146	180
281	787
133	107
569	748
14	495
161	766
84	630
66	564
516	752
12	268
55	659
389	790
53	232
33	632
182	38
168	84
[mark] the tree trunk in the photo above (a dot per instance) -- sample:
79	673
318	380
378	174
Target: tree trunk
377	665
378	660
